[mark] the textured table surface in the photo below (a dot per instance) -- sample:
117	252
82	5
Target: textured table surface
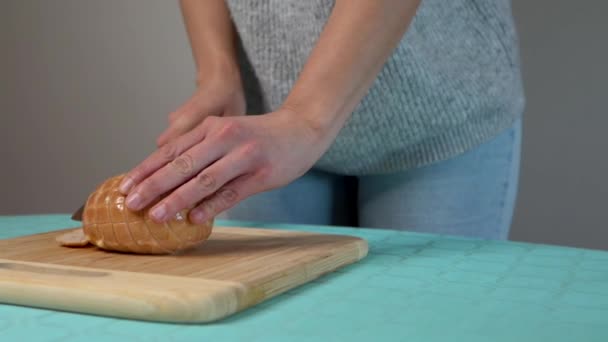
411	287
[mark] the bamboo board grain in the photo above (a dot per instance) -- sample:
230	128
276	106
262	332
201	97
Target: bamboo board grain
235	269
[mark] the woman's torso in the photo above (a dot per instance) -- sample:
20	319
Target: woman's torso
452	83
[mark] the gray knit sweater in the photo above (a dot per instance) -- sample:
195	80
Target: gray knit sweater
451	84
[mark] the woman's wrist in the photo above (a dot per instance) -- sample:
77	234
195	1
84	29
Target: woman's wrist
323	109
218	69
321	122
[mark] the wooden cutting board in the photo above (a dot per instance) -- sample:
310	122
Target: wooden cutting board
235	269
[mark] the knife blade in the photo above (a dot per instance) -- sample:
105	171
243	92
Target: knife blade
77	215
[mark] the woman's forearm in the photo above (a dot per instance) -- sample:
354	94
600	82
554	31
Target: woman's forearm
355	43
212	35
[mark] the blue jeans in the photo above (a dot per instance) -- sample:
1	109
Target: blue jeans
472	195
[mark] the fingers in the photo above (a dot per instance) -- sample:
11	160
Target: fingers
206	183
160	158
181	169
206	164
225	198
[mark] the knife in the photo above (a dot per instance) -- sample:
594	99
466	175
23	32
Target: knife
77	215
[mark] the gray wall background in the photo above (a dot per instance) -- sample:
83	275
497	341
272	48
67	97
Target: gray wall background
85	88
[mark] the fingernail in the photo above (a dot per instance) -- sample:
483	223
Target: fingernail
126	185
133	201
159	212
198	216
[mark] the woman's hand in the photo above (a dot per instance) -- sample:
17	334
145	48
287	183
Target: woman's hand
222	161
219	93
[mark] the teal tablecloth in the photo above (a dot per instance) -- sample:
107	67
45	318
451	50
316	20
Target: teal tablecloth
411	287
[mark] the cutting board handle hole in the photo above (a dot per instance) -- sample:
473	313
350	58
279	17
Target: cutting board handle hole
49	270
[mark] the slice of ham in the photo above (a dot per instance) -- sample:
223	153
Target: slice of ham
74	238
